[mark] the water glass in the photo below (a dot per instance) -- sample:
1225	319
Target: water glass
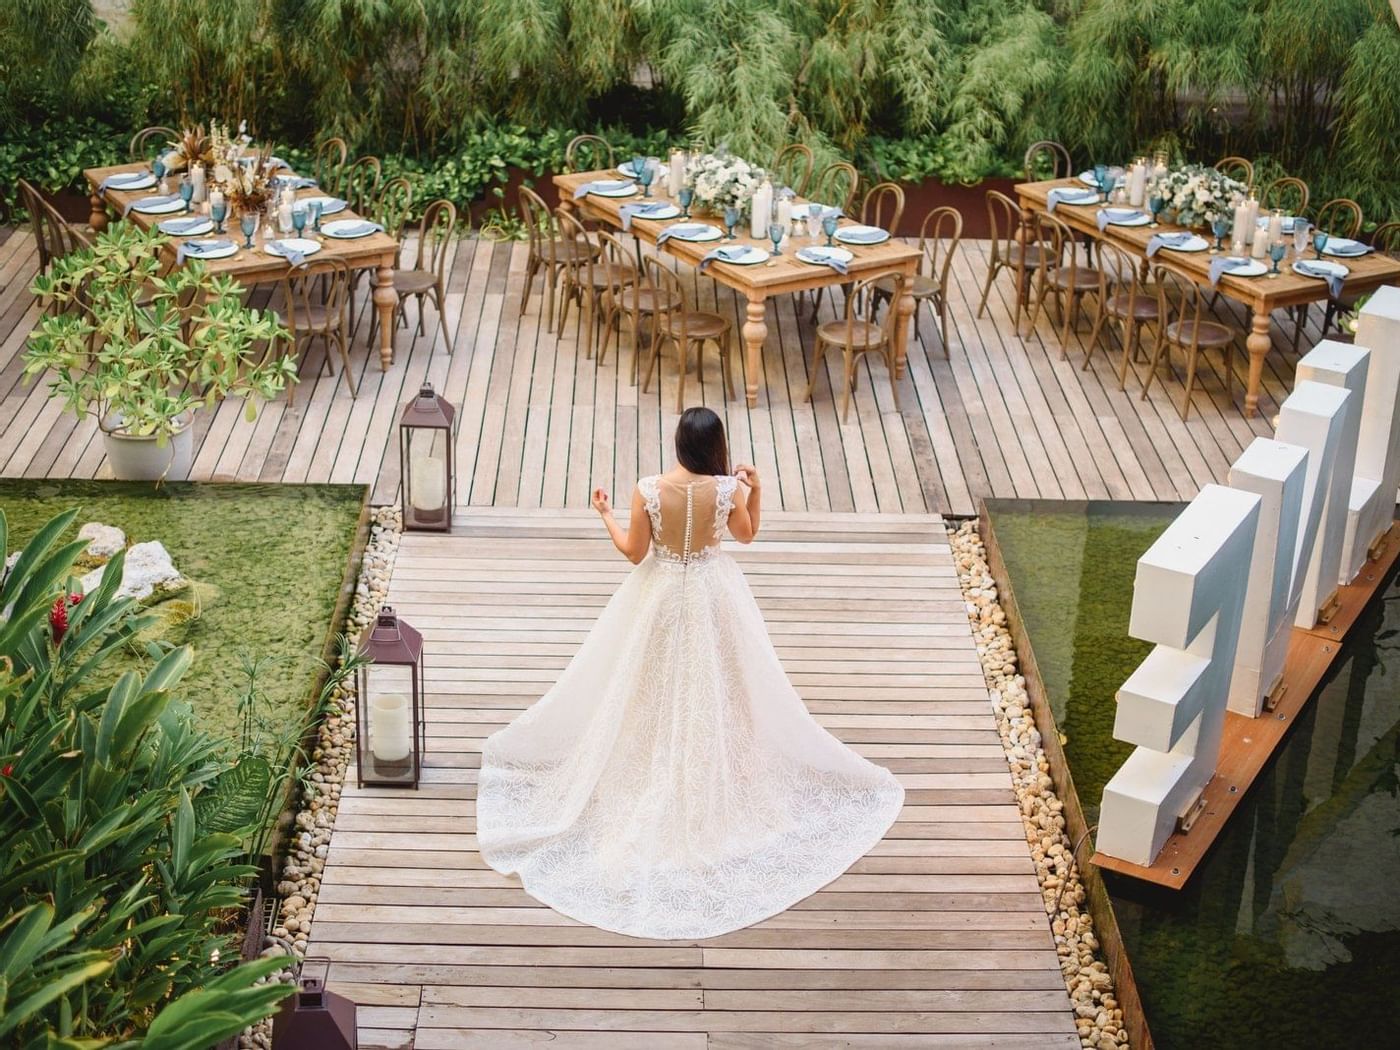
829	224
686	196
186	192
218	211
645	174
1101	181
731	219
1220	226
248	223
313	209
1277	251
1155	206
1301	226
776	231
299	218
638	163
1319	241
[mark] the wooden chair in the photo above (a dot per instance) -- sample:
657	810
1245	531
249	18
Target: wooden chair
624	294
393	206
883	206
140	147
329	166
586	277
50	239
548	251
1047	160
316	305
1238	168
1180	306
1007	252
1340	218
939	237
1287	194
836	186
588	153
1059	273
674	321
359	185
793	167
426	276
1122	298
855	337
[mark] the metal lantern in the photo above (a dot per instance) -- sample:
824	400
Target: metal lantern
389	729
315	1019
425	462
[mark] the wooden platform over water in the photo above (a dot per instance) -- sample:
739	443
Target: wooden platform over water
938	938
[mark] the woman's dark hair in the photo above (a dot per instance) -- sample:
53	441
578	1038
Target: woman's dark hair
700	444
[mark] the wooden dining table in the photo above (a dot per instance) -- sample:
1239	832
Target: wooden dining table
1263	295
756	283
376	252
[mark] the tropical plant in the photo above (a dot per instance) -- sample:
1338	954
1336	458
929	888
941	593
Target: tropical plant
114	906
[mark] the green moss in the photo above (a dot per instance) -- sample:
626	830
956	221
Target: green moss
267	563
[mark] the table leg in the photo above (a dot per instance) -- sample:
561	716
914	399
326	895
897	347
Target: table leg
384	300
755	332
903	329
1257	343
97	217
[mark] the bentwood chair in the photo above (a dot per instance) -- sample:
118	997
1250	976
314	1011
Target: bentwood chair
1238	168
316	305
588	153
50	238
548	252
393	206
1122	298
793	167
1180	306
329	165
145	141
883	206
1287	194
359	184
1060	274
675	322
624	294
427	274
586	277
939	237
1339	218
1007	253
1047	160
857	336
836	186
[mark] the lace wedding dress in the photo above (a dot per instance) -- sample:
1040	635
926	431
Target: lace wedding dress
672	784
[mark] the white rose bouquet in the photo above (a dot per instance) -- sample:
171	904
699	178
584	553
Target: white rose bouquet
721	180
1198	194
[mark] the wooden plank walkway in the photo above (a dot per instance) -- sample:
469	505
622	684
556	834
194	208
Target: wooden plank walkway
541	425
938	938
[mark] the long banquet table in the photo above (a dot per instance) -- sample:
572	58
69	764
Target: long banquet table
376	252
1262	295
755	283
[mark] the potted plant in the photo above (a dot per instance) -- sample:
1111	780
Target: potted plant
144	349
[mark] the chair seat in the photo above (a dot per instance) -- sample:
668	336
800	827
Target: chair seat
413	282
1031	252
603	283
864	335
568	250
1210	334
311	322
923	287
698	325
1144	306
644	300
1084	278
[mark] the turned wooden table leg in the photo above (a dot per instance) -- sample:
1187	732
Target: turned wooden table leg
384	300
1257	343
903	329
755	332
97	217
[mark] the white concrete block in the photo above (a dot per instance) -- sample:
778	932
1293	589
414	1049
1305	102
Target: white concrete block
1378	439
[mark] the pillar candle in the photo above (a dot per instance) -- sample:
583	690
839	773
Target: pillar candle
426	483
1239	230
1261	243
1137	183
284	215
197	181
762	207
785	212
390	729
1275	226
676	176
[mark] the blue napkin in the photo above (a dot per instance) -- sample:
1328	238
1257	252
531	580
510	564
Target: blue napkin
726	254
294	257
296	182
644	211
680	227
362	228
1117	213
197	249
1334	281
589	187
1068	194
818	255
1158	241
120	180
852	236
178	227
1345	246
169	198
1225	264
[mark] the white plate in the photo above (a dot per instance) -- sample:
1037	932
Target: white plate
345	229
301	244
132	180
1357	249
699	231
329	205
1254	269
862	235
1138	219
1195	244
614	189
752	256
625	168
1078	198
1087	177
818	255
668	212
1331	268
1263	222
158	209
203	225
218	253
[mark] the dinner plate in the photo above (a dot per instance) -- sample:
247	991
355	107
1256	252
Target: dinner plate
301	244
191	227
625	168
195	250
668	211
862	235
1087	177
695	231
1288	220
1254	269
1078	197
1344	247
613	189
329	205
131	180
159	208
802	211
349	229
751	256
820	255
1126	217
1195	244
1330	269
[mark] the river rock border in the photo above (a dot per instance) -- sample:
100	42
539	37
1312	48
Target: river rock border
1097	1014
300	881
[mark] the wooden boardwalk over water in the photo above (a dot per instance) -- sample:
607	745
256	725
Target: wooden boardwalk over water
938	938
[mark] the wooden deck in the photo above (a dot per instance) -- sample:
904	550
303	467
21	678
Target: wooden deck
540	425
938	938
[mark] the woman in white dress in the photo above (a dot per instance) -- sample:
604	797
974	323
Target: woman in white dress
672	784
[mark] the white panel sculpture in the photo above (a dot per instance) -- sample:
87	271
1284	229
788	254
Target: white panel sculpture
1188	598
1275	472
1371	508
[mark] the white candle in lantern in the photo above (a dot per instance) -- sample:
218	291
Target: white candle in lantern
1275	226
1137	183
390	727
675	180
197	181
1260	247
1239	230
762	206
427	482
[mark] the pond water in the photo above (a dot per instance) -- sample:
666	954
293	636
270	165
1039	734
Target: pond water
1288	936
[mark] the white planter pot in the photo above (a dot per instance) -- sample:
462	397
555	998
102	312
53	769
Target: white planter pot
142	459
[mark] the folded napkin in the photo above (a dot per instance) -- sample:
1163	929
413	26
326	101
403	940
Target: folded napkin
1345	246
179	227
197	249
855	236
1070	195
169	198
296	182
729	253
1158	241
818	255
1225	264
121	180
645	211
680	227
1334	280
363	228
589	187
294	257
1107	215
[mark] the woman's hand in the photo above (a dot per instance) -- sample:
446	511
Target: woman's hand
601	503
748	474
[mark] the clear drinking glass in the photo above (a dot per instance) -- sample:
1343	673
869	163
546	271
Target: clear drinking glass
313	209
1301	226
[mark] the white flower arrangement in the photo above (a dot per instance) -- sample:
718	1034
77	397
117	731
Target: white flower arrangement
721	180
1198	194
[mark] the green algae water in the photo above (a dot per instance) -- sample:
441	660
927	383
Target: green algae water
267	563
1288	936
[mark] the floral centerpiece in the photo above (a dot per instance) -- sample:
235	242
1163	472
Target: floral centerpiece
247	181
192	146
721	180
1197	194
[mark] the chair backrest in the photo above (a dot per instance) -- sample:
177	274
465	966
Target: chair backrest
1003	222
883	206
1054	238
668	298
1119	272
613	258
570	229
1287	194
1179	298
1240	169
145	142
330	164
534	213
939	237
360	184
393	206
1386	239
1047	159
859	301
321	285
837	185
435	235
588	153
793	167
1340	217
49	235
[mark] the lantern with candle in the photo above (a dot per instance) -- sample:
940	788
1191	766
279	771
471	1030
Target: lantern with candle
389	731
425	462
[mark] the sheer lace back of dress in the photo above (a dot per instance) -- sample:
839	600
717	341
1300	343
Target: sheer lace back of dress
688	518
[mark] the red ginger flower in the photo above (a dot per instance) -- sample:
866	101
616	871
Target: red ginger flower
58	615
9	768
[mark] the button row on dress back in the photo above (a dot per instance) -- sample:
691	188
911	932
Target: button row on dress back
689	519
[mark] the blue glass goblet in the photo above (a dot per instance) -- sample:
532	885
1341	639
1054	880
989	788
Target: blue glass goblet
645	174
248	223
1220	226
187	193
686	196
776	231
1101	179
1277	251
1155	205
218	211
731	219
299	218
829	224
637	162
1319	241
314	211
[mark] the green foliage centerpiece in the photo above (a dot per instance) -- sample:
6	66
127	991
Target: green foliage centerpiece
721	180
1198	194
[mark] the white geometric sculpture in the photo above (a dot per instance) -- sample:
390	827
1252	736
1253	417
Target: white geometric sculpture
1343	367
1188	598
1371	508
1275	472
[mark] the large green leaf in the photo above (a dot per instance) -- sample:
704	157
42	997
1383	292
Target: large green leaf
234	803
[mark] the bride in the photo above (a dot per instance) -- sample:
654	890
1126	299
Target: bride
671	784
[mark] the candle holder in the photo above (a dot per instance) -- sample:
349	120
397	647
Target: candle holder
389	726
428	473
